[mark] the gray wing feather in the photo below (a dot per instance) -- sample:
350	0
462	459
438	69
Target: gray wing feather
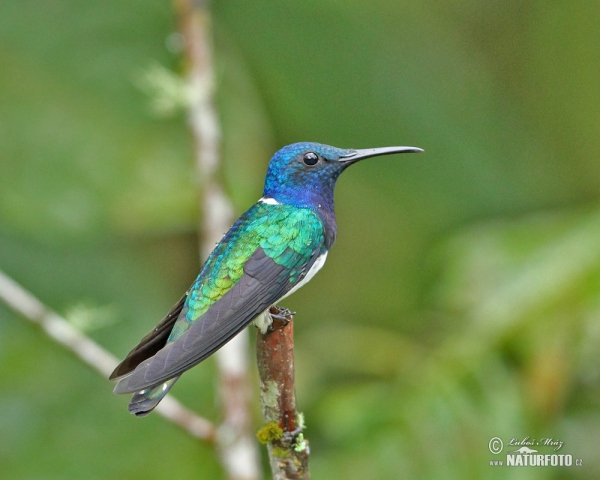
151	343
262	284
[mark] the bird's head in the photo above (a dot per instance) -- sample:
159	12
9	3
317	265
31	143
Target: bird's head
304	174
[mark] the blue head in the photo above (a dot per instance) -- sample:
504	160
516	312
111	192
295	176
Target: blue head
304	174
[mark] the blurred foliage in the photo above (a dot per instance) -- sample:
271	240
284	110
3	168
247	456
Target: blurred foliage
461	301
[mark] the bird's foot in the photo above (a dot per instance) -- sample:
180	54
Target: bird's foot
280	317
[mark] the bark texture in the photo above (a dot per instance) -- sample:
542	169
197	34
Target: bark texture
283	430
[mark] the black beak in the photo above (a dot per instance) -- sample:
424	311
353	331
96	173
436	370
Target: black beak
356	155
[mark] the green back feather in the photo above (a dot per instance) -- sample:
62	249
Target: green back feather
287	234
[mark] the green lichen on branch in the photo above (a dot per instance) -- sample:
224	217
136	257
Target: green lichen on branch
280	452
300	421
270	433
301	443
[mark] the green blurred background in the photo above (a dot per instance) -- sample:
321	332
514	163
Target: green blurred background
461	301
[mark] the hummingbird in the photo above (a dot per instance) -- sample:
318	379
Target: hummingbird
273	249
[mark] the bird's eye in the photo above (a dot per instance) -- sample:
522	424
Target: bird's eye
310	158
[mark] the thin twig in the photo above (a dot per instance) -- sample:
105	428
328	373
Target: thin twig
283	430
59	329
238	449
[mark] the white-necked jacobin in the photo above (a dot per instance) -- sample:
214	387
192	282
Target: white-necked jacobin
273	249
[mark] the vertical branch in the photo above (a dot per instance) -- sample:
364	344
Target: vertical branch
288	449
237	447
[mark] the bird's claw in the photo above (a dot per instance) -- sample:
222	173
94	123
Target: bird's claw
280	317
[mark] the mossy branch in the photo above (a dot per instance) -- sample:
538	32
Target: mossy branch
284	425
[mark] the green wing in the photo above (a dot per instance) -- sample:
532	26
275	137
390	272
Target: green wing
264	255
288	235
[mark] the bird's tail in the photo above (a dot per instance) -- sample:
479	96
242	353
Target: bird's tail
144	401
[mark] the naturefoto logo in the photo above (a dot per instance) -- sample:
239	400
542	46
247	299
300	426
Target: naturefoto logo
531	453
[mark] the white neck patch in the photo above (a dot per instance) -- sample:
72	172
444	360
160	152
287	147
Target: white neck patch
269	201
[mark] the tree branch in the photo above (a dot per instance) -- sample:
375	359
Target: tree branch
59	329
237	447
288	449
